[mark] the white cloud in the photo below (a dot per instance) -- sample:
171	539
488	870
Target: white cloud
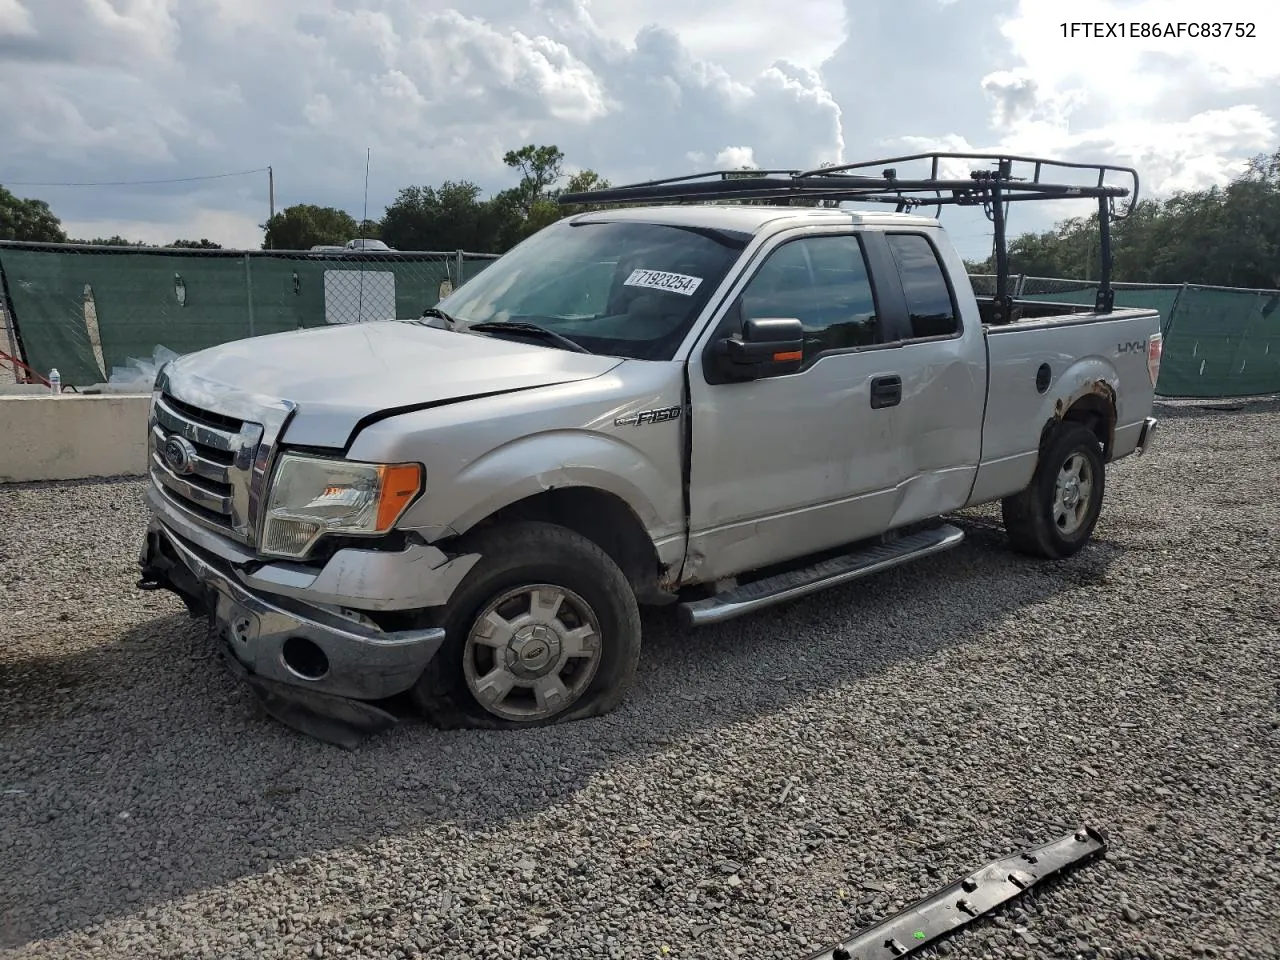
15	19
143	89
1130	70
1185	112
231	230
736	158
744	37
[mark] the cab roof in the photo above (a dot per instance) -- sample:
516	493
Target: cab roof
750	218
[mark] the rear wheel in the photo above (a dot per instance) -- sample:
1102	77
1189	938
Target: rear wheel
544	629
1055	515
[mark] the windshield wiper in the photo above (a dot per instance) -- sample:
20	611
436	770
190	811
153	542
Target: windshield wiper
452	322
524	327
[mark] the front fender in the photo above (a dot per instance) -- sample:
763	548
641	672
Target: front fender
563	458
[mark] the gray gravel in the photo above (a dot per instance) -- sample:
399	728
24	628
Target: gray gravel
772	783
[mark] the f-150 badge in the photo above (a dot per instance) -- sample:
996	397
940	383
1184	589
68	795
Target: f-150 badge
649	416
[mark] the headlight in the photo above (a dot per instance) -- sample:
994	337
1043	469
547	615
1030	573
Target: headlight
311	496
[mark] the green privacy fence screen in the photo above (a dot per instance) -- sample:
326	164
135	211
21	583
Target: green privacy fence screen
88	309
1219	341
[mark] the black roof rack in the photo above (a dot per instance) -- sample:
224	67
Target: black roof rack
990	188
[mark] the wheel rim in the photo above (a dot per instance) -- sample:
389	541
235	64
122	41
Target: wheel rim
1073	494
532	652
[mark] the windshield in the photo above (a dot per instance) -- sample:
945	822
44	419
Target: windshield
621	289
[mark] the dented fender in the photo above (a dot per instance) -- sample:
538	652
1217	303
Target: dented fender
1089	380
558	459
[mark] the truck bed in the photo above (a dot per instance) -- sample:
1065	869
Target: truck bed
1042	363
1032	310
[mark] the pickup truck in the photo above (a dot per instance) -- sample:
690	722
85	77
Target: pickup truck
716	405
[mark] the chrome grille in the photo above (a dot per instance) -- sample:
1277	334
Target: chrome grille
203	464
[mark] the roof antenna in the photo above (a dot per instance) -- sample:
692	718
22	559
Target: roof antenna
364	218
364	215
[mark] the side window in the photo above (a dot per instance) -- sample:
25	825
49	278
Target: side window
823	282
933	314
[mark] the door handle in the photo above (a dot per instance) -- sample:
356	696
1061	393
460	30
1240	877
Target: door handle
886	392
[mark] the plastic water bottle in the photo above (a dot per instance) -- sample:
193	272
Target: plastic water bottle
55	381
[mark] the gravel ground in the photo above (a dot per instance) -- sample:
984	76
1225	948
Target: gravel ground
772	784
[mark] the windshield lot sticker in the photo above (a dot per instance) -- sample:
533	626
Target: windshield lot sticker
659	280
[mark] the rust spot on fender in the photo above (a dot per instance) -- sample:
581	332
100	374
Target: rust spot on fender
1099	389
1103	389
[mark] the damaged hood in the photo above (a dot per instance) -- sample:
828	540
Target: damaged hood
337	376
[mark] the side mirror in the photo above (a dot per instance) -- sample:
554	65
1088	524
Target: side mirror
767	346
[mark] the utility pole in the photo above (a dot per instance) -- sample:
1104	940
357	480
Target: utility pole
271	196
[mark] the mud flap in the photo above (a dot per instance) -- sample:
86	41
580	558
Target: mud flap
982	891
337	720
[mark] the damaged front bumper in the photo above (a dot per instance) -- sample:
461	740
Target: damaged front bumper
293	652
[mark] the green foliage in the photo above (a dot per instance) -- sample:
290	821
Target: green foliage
201	244
450	217
29	220
1227	236
540	169
454	217
112	241
306	225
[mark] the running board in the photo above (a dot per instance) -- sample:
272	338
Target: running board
751	597
979	893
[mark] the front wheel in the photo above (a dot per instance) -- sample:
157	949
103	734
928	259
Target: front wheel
1055	515
544	629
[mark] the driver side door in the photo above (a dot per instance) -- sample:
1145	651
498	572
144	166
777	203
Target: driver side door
801	461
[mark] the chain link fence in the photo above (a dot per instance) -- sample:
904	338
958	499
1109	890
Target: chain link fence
89	309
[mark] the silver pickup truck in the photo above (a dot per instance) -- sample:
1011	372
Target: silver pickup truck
720	405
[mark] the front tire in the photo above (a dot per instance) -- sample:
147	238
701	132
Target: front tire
544	629
1055	515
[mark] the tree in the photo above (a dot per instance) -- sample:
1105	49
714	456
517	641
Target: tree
540	169
306	225
1228	236
29	220
112	241
200	244
450	217
584	181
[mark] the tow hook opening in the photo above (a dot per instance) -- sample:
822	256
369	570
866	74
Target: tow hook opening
304	658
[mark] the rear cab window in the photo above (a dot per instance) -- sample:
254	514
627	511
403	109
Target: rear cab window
930	305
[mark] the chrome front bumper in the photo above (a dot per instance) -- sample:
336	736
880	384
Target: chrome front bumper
280	638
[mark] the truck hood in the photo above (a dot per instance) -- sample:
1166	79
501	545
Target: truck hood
338	376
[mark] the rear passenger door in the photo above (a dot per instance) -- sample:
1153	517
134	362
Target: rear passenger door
942	363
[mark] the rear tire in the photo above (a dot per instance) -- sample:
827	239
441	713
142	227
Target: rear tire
544	629
1055	515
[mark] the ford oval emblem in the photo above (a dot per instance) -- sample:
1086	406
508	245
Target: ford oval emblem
179	455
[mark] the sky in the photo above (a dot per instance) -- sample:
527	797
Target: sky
126	90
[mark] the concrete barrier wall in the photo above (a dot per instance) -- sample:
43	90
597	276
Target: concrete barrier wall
72	437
